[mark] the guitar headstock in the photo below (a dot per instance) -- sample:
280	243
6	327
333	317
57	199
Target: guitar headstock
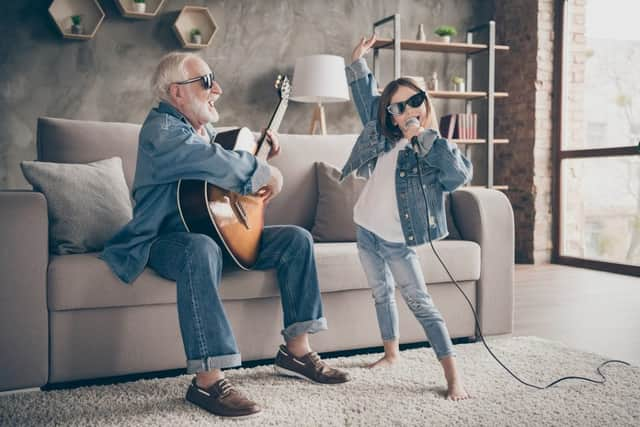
283	86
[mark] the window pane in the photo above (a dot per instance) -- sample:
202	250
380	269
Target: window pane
603	88
601	215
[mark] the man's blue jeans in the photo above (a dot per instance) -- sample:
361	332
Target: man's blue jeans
194	262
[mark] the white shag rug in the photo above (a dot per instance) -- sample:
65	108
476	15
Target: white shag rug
410	394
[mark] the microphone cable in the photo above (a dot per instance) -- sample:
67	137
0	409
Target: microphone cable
475	315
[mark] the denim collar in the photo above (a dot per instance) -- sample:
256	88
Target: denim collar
165	107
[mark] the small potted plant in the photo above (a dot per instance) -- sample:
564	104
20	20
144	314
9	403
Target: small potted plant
196	36
445	32
458	83
76	24
139	6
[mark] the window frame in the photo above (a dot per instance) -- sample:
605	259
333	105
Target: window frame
561	49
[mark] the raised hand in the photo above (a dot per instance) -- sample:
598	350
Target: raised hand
362	47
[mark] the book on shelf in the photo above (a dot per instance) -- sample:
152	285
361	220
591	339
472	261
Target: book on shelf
447	126
459	126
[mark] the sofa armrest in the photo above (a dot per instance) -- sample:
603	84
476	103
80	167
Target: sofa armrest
485	216
24	325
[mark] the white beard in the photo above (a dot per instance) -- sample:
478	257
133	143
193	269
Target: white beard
202	112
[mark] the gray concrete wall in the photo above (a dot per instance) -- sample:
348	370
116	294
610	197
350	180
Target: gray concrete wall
106	78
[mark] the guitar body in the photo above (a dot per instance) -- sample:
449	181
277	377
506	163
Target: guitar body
234	221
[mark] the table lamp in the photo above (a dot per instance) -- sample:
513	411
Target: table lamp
319	79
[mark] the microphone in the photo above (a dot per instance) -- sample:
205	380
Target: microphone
413	123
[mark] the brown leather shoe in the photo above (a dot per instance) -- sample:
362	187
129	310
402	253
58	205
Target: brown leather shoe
308	367
222	399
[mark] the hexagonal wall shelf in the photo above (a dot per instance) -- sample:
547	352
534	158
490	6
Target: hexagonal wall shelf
128	8
191	18
89	11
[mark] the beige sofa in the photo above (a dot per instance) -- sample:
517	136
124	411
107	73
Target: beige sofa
65	318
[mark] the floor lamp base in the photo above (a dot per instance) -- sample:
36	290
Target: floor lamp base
318	121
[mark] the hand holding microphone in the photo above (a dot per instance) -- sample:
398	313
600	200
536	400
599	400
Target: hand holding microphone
411	130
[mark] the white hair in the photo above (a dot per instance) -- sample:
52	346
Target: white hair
171	69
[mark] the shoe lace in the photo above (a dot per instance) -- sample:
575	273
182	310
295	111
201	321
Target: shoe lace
225	387
318	364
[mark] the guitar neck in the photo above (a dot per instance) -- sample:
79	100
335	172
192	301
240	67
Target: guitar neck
274	124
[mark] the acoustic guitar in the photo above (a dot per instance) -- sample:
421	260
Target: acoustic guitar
234	221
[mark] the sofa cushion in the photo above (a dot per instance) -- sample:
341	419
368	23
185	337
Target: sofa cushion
84	281
296	203
336	200
87	203
334	213
80	141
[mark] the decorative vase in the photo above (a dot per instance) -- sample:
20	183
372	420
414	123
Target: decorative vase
421	36
196	38
458	87
77	29
433	82
445	39
140	7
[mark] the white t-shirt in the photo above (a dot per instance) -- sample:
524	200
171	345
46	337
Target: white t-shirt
377	207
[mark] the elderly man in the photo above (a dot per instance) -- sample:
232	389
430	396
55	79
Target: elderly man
174	144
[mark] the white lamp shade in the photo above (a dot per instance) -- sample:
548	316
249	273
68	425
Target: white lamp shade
319	78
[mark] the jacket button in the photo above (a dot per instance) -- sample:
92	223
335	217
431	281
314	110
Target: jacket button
406	215
410	237
402	174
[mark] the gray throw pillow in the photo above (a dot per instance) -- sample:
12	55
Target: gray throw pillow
87	203
334	212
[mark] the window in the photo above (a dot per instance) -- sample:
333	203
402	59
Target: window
597	195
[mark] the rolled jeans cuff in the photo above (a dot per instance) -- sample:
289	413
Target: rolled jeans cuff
308	327
214	362
445	355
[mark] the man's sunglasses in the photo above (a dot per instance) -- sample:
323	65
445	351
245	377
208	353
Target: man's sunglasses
415	101
207	80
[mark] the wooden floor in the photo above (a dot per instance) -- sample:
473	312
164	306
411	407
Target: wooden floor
585	309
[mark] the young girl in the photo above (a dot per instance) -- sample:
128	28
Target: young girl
390	213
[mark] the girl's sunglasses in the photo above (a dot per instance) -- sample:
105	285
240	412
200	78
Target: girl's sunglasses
399	107
207	80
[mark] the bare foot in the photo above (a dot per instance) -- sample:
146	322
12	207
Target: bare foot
456	391
385	362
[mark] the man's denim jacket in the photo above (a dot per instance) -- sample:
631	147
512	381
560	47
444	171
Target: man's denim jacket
443	166
169	149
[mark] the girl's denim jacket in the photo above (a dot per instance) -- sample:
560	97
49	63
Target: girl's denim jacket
443	166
